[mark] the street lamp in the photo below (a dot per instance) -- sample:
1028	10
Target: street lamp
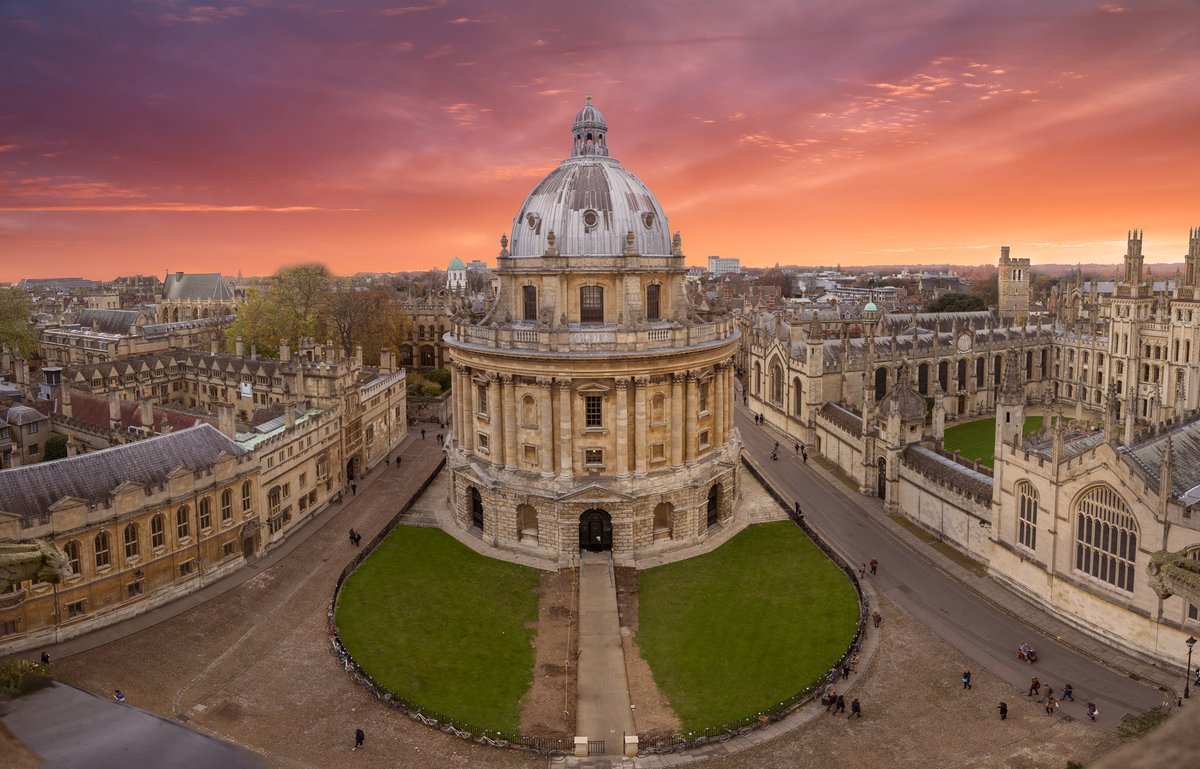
1187	676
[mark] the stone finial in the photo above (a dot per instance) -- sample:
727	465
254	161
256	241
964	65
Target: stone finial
503	245
551	244
630	248
677	244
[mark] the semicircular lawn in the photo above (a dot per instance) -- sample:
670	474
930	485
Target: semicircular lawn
977	439
738	630
438	624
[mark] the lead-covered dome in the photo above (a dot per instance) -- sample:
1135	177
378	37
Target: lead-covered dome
591	203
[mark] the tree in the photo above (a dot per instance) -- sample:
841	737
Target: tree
17	331
441	376
956	303
292	305
370	318
56	448
776	277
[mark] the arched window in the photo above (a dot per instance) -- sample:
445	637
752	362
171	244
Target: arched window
1027	510
658	408
227	505
72	550
529	302
923	378
131	541
961	377
797	396
944	376
591	304
997	370
1193	612
703	386
881	383
528	411
158	537
183	520
246	497
1105	537
776	383
757	378
101	547
205	513
653	306
1029	364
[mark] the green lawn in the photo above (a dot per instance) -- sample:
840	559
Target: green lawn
741	628
977	440
443	626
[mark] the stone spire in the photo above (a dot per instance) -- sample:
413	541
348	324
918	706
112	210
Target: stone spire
1012	392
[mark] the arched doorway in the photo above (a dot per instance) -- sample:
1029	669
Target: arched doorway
714	504
476	508
881	481
595	531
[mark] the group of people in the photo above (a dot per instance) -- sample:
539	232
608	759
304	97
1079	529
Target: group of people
1049	701
355	537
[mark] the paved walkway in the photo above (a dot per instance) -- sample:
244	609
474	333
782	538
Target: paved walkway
602	708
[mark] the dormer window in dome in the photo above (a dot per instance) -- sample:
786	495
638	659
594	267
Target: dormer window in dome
590	220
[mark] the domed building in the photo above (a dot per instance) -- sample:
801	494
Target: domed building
456	276
593	398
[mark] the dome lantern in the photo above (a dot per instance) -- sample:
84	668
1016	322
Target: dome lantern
589	132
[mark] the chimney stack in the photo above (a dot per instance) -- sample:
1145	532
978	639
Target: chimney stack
147	415
114	412
358	357
225	419
65	407
289	414
212	346
239	347
285	351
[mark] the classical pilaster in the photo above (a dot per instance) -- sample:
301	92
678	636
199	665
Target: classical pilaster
495	427
461	389
622	390
693	416
729	406
546	425
565	442
717	406
677	419
639	425
508	393
471	408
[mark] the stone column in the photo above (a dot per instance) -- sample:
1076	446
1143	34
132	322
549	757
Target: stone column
495	434
622	390
717	407
460	396
640	416
565	442
693	417
509	394
729	391
546	404
470	409
677	419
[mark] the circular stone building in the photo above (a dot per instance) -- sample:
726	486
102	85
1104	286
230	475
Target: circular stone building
593	398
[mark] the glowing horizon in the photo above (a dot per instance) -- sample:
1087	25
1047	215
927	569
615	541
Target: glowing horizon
163	136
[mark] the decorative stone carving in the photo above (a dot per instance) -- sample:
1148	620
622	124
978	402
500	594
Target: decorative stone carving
40	561
1174	574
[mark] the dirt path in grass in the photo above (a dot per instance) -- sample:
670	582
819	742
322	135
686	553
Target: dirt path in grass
549	707
652	711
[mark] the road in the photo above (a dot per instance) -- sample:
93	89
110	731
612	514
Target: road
954	612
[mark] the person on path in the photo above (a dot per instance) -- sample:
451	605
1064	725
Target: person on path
359	737
398	460
353	489
1092	711
1069	693
797	448
862	570
1003	711
829	698
846	671
798	513
804	456
966	679
45	658
855	709
352	536
854	662
1051	705
1034	686
119	695
1048	694
874	566
841	705
877	618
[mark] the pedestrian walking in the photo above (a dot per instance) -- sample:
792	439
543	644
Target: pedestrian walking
119	695
1051	705
846	671
874	566
798	513
45	658
1069	693
422	433
357	539
804	456
1048	694
1003	711
1034	686
398	460
1092	711
797	448
855	709
862	570
877	618
353	489
359	737
352	536
854	662
966	679
841	705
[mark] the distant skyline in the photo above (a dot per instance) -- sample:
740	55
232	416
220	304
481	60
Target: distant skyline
157	135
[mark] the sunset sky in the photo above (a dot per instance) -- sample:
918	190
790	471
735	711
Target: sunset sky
141	137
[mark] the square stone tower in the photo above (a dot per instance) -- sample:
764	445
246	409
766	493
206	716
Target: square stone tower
1014	287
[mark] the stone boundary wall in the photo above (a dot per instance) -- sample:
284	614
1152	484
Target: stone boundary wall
424	408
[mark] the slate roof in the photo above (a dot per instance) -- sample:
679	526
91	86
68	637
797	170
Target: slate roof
108	321
93	410
848	420
21	415
31	490
181	286
948	472
1147	457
